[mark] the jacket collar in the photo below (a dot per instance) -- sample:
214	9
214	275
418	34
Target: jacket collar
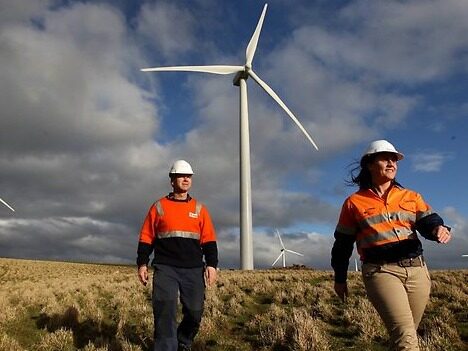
172	198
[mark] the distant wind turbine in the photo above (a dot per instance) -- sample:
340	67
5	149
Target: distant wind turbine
242	73
4	202
283	251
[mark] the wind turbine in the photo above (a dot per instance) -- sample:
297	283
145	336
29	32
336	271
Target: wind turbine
4	202
242	73
283	251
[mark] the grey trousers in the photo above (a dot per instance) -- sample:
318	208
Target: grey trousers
400	295
169	284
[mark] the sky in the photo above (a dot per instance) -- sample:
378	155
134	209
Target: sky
87	139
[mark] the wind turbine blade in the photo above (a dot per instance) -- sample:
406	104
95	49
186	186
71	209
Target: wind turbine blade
250	51
277	259
279	237
294	252
282	104
216	69
11	208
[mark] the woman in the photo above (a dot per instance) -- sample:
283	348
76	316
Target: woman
382	218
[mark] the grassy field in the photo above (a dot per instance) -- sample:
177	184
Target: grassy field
70	306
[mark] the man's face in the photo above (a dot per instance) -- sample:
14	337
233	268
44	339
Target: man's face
181	183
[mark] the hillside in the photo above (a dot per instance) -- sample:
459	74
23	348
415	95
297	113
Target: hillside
70	306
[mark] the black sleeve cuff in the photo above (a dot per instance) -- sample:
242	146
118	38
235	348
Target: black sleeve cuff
341	275
144	251
341	252
426	225
210	251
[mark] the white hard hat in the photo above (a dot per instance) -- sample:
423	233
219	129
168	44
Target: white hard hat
181	167
382	146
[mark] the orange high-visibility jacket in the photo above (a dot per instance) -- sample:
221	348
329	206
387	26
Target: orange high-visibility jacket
374	221
180	232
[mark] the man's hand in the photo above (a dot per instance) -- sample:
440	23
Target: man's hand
143	274
341	290
442	233
210	275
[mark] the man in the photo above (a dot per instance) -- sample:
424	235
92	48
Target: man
180	231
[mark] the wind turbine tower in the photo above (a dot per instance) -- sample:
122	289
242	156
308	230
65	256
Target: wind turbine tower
4	202
283	252
242	73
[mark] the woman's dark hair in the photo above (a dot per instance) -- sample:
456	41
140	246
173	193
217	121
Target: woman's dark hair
363	179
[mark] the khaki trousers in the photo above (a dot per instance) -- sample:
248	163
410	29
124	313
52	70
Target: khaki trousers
400	295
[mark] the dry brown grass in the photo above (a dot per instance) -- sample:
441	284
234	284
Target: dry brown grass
48	306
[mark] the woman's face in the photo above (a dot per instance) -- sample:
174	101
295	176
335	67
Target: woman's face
384	167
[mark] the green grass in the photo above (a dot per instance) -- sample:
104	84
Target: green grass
103	307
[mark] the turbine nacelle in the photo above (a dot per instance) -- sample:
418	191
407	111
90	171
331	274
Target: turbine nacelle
240	75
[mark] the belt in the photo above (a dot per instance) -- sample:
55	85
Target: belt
404	262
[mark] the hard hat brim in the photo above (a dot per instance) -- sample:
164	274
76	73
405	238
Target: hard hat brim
400	156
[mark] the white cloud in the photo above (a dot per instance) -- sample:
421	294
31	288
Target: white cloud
429	162
75	126
22	10
395	38
168	27
71	95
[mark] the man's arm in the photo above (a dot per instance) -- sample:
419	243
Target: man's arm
208	239
210	251
145	246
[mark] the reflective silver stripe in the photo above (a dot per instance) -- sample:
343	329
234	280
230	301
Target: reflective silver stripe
420	215
178	234
370	221
406	216
198	208
159	208
400	234
387	217
345	230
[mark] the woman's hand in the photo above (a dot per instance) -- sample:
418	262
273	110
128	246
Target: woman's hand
442	234
341	290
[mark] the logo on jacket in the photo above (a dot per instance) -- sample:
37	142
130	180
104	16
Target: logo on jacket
193	215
